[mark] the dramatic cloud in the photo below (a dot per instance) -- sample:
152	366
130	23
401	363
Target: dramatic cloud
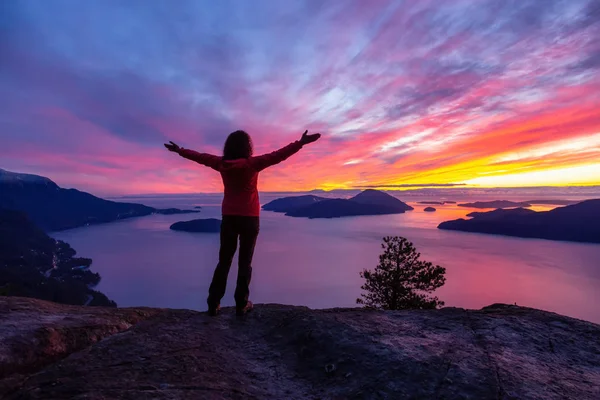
455	92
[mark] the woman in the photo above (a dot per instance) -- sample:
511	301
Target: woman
241	208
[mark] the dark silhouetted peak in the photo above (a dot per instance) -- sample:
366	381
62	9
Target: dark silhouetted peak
286	204
16	178
372	196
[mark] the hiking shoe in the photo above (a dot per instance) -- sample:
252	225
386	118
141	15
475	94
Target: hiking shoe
214	311
241	311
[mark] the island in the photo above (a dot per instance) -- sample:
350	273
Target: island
495	204
429	209
431	202
578	223
379	198
553	202
449	202
209	225
53	208
368	202
500	212
53	351
172	211
286	204
32	264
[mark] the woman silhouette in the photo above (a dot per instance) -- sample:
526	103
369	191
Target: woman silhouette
239	170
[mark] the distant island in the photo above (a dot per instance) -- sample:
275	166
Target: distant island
32	264
53	208
495	204
501	212
286	204
209	225
553	202
429	209
431	202
578	223
368	202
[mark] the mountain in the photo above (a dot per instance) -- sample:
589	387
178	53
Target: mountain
286	204
52	351
32	264
578	222
369	202
209	225
376	197
53	208
495	204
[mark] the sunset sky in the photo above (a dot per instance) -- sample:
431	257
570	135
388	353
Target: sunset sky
488	93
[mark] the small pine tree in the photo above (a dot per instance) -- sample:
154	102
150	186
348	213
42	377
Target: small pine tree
401	280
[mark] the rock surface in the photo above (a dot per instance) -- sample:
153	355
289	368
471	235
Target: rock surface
283	352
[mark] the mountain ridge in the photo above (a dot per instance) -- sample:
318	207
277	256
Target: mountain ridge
578	222
53	208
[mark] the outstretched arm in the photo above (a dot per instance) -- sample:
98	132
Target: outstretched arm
267	160
201	158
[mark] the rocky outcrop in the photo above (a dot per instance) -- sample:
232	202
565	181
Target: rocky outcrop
284	352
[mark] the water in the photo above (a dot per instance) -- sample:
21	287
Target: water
317	262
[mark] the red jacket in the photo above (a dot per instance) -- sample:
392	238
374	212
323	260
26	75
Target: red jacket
240	177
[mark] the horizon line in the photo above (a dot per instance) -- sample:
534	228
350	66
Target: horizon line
393	189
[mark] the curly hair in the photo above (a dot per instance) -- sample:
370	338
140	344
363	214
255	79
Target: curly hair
237	145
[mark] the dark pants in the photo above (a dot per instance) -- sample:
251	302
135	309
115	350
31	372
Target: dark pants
232	227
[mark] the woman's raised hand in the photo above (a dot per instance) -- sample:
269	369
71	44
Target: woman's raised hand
306	138
172	147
